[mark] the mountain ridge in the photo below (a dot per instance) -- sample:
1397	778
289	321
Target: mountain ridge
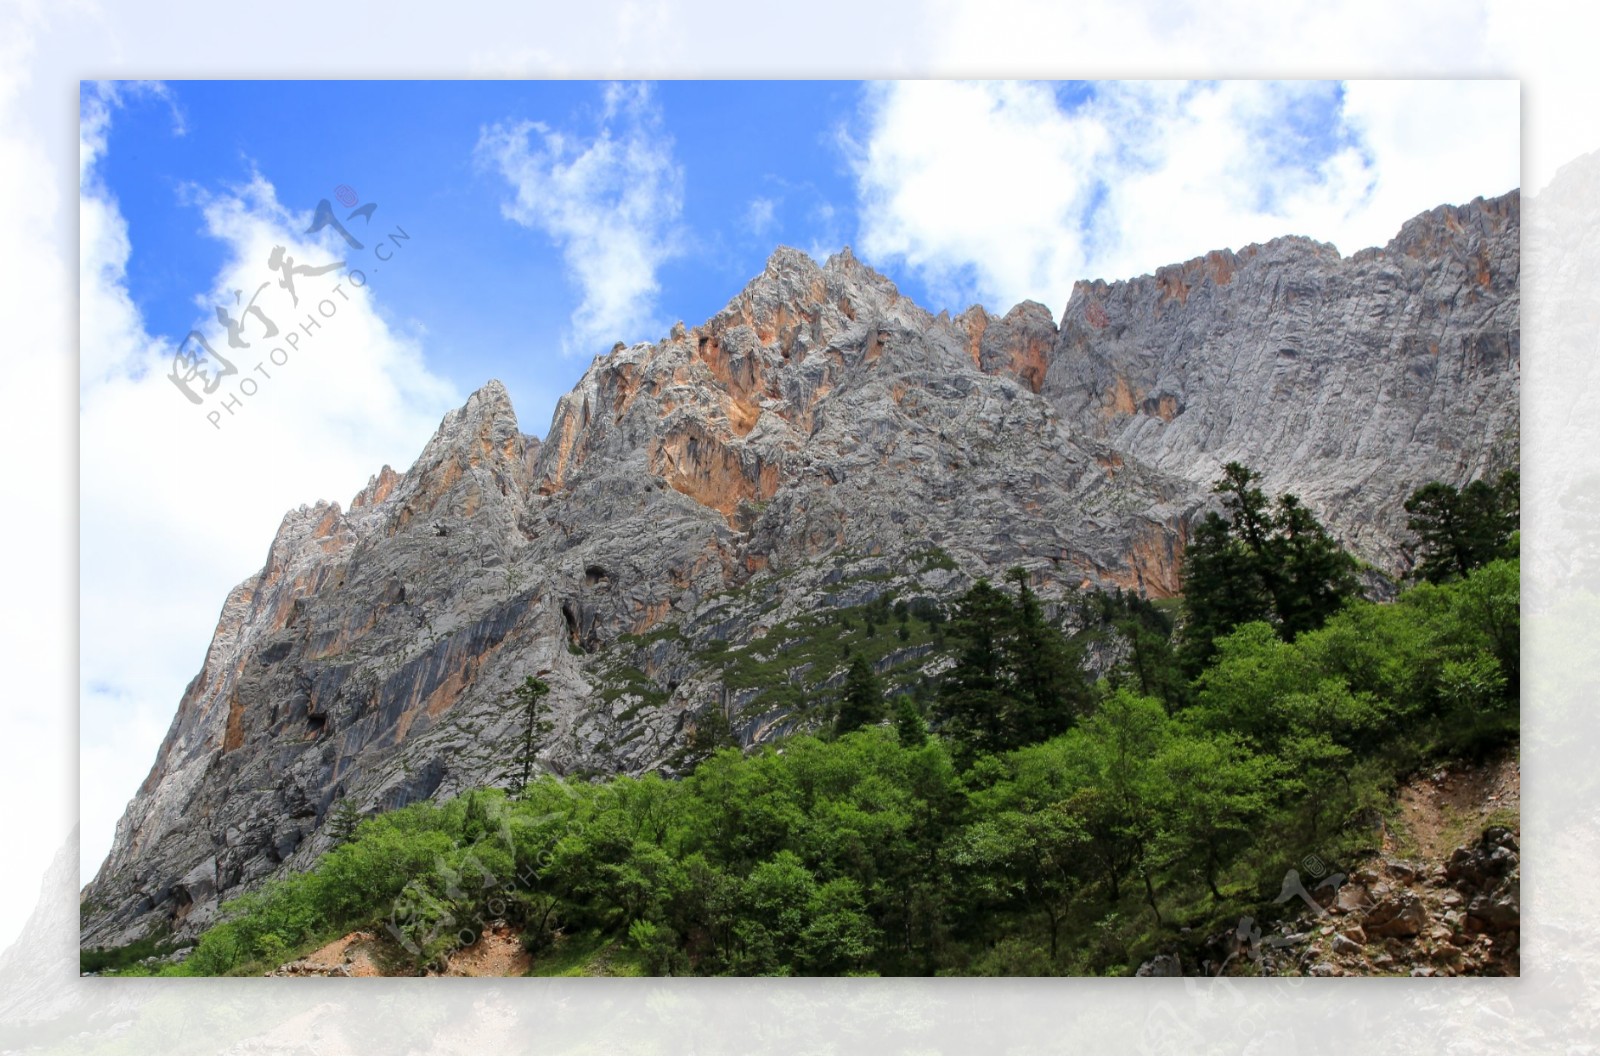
801	450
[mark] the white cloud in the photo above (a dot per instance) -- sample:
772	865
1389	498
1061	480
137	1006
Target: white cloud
760	215
964	181
610	202
1431	142
1000	191
175	511
36	620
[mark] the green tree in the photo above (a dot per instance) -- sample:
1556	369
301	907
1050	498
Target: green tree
1151	666
910	727
530	697
1016	680
1314	575
1049	689
712	733
976	693
1273	563
343	820
862	702
1033	859
1125	737
661	947
1213	793
1459	530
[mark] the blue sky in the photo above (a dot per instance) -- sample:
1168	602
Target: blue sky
736	168
761	165
547	220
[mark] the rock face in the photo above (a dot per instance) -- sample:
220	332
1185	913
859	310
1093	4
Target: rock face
1396	365
820	441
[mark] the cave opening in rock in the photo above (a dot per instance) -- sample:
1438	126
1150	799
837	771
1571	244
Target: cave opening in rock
572	624
182	903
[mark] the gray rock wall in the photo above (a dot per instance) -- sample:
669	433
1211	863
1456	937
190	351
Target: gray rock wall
804	449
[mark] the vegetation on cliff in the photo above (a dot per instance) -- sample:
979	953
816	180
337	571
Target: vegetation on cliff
1017	820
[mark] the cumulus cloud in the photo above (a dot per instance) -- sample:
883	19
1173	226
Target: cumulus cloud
1004	191
173	510
37	621
610	202
760	215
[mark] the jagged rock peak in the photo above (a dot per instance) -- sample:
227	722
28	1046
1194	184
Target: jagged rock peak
1216	267
793	278
379	487
487	416
490	401
797	453
788	257
1479	219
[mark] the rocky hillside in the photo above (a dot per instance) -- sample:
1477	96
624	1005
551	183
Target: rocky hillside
669	554
1441	896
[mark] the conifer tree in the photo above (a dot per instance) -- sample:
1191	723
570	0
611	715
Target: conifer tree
862	703
1048	690
530	696
1458	531
343	820
910	727
976	694
1274	563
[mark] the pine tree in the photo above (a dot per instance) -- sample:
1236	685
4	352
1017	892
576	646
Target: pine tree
910	727
1152	666
1049	692
1315	575
1270	563
1253	525
862	703
530	696
343	820
1458	531
1016	680
1221	590
712	731
976	695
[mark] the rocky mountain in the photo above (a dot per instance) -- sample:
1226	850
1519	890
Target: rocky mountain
700	502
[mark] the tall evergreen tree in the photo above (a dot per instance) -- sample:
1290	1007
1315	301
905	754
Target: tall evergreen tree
1274	563
976	694
343	820
1048	691
1458	531
1221	590
1315	575
862	703
1017	680
910	728
530	697
1152	666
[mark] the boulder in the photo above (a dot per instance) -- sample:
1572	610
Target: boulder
1402	914
1161	965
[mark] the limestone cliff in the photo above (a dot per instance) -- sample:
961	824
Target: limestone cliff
819	441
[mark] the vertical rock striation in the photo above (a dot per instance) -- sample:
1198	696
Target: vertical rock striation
806	448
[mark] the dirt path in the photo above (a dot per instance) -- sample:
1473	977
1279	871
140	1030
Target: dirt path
498	952
352	955
1442	809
